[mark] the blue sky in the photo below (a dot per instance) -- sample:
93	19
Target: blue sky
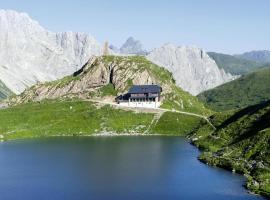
228	26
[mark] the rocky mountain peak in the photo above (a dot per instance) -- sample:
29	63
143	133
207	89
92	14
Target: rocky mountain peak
30	54
132	46
192	68
18	21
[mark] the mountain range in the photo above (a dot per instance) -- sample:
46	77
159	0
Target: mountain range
33	54
235	65
130	47
262	56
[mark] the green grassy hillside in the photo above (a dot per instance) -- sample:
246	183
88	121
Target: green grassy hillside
78	118
63	107
248	90
235	65
4	91
240	143
69	112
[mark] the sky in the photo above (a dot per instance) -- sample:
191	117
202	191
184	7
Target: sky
225	26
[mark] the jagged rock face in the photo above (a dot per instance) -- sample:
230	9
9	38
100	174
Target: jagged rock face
193	70
31	54
132	46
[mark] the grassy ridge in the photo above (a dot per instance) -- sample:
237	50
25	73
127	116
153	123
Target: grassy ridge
51	118
248	90
119	74
240	143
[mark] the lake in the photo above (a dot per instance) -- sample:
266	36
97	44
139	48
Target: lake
112	168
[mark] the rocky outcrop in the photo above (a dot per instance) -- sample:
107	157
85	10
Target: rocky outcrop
30	54
118	73
96	73
193	70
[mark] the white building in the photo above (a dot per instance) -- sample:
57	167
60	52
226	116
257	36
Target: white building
145	96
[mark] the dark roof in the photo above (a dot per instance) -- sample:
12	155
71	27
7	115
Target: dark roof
138	89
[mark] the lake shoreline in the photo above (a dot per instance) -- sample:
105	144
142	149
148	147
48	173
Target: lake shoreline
157	147
114	134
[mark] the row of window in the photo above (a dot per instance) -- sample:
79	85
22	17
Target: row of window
143	100
145	95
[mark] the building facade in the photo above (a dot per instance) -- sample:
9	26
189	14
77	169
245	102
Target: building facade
145	96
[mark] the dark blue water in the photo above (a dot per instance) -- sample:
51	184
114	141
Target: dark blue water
113	168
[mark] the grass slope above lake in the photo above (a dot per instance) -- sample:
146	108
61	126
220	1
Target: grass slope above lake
248	90
63	107
4	91
79	118
235	65
241	142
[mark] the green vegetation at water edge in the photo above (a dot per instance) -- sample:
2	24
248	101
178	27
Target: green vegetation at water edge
240	143
50	118
248	90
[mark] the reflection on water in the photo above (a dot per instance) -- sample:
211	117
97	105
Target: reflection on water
112	168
